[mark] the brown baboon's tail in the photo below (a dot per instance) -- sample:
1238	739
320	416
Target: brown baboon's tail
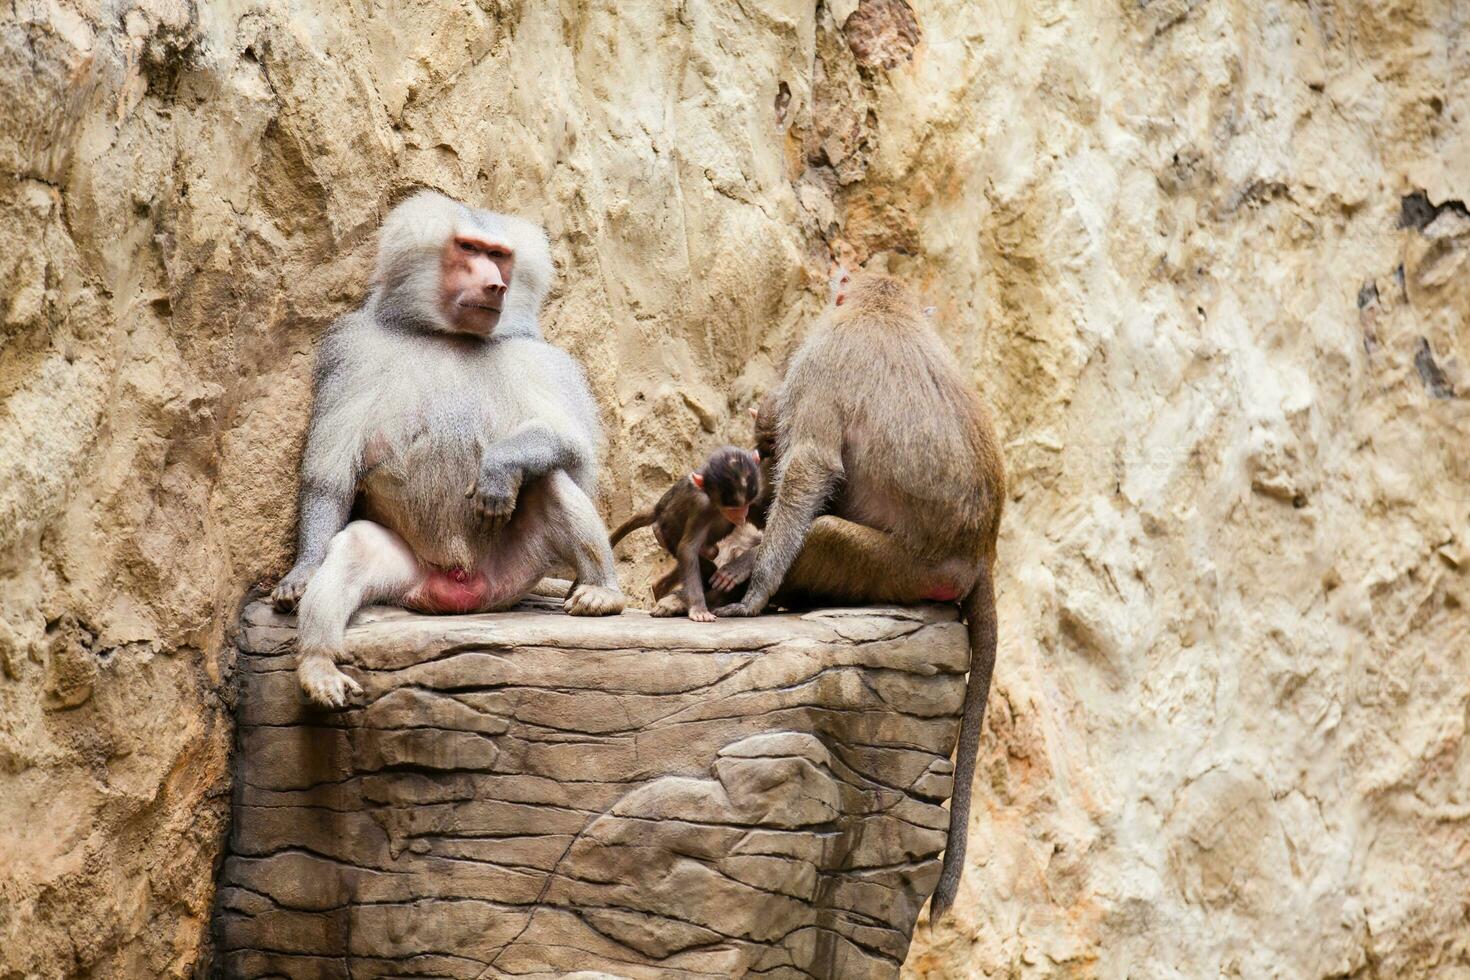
979	610
631	524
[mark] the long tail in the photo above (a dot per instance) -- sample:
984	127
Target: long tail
979	610
631	524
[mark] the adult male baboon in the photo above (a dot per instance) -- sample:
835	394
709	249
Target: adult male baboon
465	444
889	488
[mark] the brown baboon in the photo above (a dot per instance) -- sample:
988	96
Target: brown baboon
889	488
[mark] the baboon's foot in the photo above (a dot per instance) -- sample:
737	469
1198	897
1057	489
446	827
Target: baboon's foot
671	605
324	682
594	600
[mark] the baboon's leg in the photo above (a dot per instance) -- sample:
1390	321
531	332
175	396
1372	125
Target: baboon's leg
843	561
365	563
579	538
807	479
672	600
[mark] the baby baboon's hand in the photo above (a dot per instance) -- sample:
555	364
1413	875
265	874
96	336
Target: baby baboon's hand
289	589
734	571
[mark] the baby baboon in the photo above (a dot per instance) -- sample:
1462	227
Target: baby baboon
691	519
729	576
890	487
462	442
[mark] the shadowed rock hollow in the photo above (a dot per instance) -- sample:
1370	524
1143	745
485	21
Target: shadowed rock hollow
526	793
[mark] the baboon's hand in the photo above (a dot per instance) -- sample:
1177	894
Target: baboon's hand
494	494
289	589
734	571
736	609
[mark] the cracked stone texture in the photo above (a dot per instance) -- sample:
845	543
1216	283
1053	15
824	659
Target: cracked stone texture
529	794
1206	258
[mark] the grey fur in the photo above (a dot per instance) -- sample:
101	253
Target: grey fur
452	443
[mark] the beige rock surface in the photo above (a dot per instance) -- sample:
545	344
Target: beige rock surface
526	792
1207	260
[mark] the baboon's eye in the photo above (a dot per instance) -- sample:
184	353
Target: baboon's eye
467	247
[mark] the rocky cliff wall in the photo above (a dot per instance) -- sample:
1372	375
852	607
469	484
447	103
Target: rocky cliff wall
1207	258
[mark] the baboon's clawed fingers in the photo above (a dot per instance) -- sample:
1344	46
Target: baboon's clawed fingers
324	683
494	494
286	593
291	586
734	572
739	609
495	521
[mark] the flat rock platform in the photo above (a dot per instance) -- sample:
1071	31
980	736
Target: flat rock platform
529	794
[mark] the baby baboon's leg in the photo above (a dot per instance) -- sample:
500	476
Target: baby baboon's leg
577	535
671	604
842	561
672	601
666	583
715	595
365	563
692	562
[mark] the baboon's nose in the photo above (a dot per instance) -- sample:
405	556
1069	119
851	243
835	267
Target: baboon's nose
735	515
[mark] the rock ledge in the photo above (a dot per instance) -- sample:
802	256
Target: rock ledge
529	794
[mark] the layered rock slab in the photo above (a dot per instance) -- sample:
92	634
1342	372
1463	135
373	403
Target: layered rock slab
529	794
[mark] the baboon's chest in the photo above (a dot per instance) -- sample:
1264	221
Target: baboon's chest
416	471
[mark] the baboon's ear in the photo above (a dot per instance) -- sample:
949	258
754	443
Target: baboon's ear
755	454
697	479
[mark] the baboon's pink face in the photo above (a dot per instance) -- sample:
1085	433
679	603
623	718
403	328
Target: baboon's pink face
474	275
